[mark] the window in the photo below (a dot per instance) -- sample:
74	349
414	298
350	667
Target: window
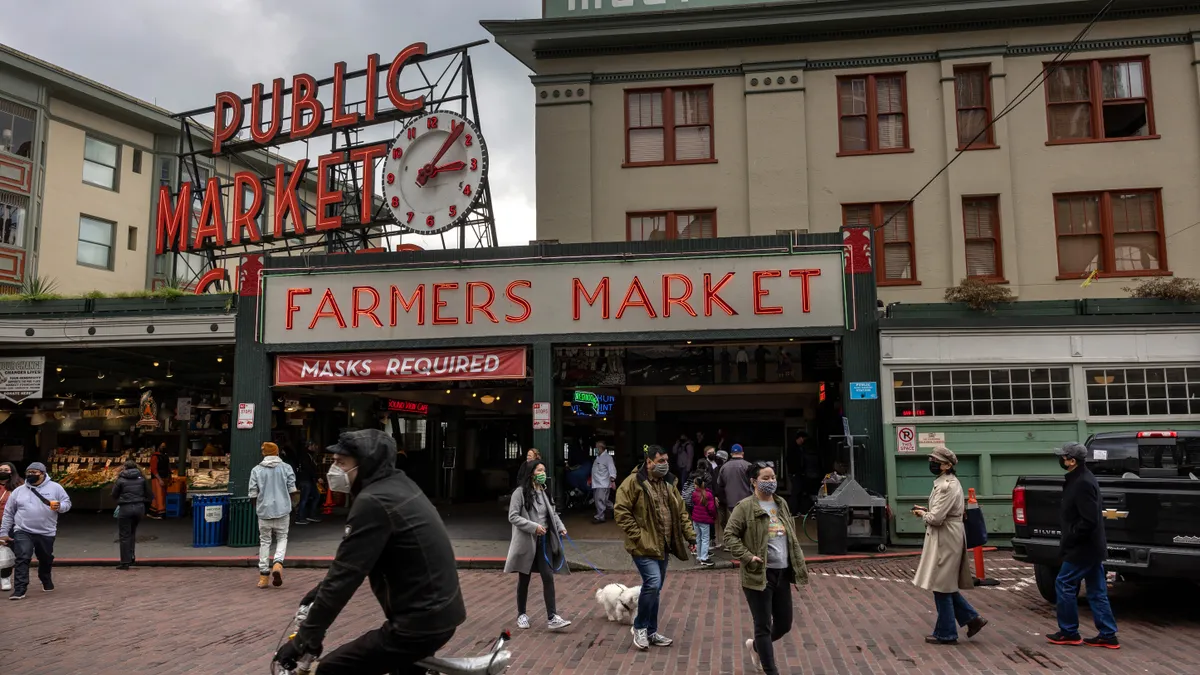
895	257
137	160
981	227
872	114
16	129
248	201
13	208
973	101
982	393
1118	233
100	163
95	247
1099	100
1143	391
661	225
668	126
131	238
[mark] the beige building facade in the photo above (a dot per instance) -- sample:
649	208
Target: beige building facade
737	120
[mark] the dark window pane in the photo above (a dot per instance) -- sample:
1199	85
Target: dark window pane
943	410
1061	391
902	379
1039	375
1193	374
904	395
922	409
1022	408
1156	375
901	409
961	376
979	377
1095	392
1021	391
1097	409
1177	391
941	394
1041	391
981	393
1021	375
1135	376
1139	407
1002	407
1179	407
923	394
1156	392
1118	408
1060	375
962	408
943	377
1176	375
1158	407
983	407
1042	407
999	376
1062	407
1001	392
921	377
961	393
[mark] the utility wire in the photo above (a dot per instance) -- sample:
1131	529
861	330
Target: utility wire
1017	100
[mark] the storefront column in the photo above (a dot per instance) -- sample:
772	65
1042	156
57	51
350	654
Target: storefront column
543	392
860	359
251	381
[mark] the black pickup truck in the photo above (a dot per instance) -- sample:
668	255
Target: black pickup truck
1151	507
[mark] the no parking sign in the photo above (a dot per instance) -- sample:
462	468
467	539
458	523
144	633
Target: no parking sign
906	440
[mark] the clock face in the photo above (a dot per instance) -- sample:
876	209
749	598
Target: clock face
433	172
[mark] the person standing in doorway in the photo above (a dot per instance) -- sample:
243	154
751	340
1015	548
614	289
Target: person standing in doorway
795	472
743	364
683	452
733	485
160	478
273	489
761	536
133	496
31	518
1084	548
760	363
604	477
536	544
10	480
306	479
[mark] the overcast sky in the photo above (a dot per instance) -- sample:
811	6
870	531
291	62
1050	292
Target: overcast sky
180	54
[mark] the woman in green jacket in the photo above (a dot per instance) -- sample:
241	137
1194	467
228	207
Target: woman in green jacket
760	535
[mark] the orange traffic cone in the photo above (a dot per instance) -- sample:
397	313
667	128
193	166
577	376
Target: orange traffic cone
327	507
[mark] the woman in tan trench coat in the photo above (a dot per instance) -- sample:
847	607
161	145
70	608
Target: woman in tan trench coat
943	569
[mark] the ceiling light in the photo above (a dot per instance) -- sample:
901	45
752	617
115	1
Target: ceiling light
474	395
488	399
447	391
99	375
62	379
156	364
566	404
219	359
518	400
693	388
308	408
222	380
58	369
689	342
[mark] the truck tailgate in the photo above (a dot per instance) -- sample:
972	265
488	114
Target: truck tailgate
1145	512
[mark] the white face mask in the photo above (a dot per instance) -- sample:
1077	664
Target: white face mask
338	479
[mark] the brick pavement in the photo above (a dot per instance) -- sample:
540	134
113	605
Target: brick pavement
856	617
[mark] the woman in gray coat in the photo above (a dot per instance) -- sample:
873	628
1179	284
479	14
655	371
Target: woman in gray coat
532	514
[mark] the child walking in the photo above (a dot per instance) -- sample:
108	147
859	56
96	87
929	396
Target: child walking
704	515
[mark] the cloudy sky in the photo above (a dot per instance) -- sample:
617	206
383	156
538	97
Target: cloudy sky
180	54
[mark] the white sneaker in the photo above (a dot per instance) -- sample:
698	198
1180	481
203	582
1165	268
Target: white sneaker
556	622
659	640
5	584
753	654
640	639
523	621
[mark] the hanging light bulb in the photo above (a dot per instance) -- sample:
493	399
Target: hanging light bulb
156	364
219	359
99	375
169	373
58	369
488	399
222	380
693	388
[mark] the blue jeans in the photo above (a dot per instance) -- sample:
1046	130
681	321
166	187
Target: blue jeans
1067	588
951	608
654	574
703	532
309	499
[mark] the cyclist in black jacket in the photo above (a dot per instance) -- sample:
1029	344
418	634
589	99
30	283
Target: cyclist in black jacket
395	537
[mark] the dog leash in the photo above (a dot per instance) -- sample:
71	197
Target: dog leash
581	555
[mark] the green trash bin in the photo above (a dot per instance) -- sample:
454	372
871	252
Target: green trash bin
243	523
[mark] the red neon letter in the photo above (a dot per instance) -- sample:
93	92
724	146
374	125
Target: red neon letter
256	132
325	197
642	300
804	275
372	98
418	299
243	216
341	118
710	295
438	303
760	292
304	97
225	129
512	296
286	199
393	79
172	226
682	301
292	307
367	156
590	298
365	311
333	312
472	306
212	219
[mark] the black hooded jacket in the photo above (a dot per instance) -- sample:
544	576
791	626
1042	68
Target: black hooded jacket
131	488
1083	538
395	537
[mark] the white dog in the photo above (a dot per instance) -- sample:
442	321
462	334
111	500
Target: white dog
619	602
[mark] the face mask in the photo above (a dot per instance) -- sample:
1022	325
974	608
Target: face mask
540	478
1062	461
935	468
768	487
660	470
5	476
338	479
33	478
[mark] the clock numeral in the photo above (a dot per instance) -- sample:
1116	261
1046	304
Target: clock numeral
397	153
474	164
453	211
412	133
395	202
431	123
429	221
467	190
410	216
469	141
391	178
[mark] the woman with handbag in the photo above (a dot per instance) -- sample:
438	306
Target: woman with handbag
133	495
536	542
943	569
9	480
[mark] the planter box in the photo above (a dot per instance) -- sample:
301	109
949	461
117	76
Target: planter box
10	309
1111	306
960	311
187	304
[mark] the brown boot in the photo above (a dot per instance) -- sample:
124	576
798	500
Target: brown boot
277	574
975	625
263	579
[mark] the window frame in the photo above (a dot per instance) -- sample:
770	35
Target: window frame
988	142
1107	239
873	115
1096	100
998	277
1087	384
877	257
892	402
672	216
112	245
116	168
668	94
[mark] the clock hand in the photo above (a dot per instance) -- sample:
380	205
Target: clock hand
450	166
430	169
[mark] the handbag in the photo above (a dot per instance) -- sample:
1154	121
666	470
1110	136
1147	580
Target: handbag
976	528
7	558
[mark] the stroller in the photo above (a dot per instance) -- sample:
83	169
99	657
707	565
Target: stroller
579	486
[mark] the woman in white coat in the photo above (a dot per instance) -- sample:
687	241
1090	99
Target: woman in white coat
532	514
943	569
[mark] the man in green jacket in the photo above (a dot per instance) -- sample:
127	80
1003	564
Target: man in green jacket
650	511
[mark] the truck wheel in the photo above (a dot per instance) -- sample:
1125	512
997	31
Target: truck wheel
1045	575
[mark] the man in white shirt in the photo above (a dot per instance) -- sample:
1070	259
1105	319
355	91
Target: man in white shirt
30	523
604	474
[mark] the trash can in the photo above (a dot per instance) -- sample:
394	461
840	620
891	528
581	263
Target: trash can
243	523
832	521
210	520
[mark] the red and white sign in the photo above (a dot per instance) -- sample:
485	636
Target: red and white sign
906	440
503	363
245	418
541	416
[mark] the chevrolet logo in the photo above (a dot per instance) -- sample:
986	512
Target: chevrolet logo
1113	514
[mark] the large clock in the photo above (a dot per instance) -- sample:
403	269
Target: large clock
434	171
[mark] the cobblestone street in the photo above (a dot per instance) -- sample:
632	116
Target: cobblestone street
861	617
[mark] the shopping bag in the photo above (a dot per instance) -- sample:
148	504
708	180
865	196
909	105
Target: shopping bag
7	558
976	527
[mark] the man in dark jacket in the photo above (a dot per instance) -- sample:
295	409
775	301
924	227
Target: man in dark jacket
395	537
306	479
133	495
733	484
1083	548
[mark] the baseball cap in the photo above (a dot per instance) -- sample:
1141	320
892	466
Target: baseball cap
1075	451
736	448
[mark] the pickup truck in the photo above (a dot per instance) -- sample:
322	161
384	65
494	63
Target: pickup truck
1151	506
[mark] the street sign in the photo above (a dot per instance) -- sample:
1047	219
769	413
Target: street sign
906	438
931	440
245	418
541	416
864	390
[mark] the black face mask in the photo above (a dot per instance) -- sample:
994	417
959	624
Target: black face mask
33	478
1062	461
935	468
5	476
